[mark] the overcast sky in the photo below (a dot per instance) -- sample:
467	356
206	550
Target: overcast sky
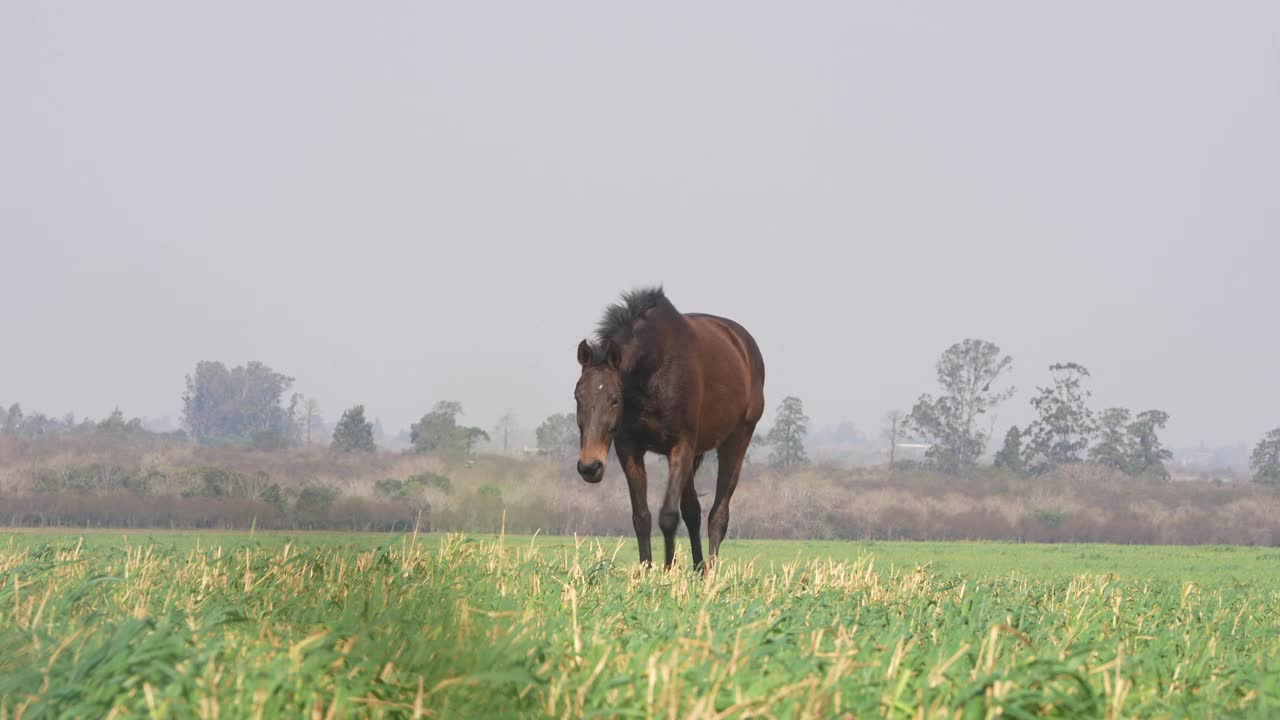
398	203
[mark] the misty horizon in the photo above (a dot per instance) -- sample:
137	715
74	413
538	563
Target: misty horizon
437	203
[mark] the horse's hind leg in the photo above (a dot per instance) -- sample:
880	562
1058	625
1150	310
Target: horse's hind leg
730	455
691	511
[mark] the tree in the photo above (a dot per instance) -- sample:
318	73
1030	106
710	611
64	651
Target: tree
1146	453
503	429
438	431
893	432
1114	448
35	425
115	424
12	420
787	436
237	403
966	373
1064	423
1265	459
1131	444
1010	455
472	434
558	435
353	433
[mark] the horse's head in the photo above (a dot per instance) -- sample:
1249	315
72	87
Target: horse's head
599	396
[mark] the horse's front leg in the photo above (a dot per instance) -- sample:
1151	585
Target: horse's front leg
680	463
638	485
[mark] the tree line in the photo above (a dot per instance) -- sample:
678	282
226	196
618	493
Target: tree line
254	405
1065	429
953	424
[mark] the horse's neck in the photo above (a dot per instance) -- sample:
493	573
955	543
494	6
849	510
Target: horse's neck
642	362
646	356
644	353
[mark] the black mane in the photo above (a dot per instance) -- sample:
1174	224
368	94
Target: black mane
618	318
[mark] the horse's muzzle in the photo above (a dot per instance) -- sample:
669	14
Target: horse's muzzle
592	472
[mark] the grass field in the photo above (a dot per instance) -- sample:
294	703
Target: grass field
330	625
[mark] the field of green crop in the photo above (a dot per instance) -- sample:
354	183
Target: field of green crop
328	625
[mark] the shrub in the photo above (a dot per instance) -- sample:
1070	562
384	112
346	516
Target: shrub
274	496
389	487
483	509
215	482
268	440
311	509
1050	516
93	479
430	480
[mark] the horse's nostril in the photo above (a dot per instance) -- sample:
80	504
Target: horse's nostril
590	469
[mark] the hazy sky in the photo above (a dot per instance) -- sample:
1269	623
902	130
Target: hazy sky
398	203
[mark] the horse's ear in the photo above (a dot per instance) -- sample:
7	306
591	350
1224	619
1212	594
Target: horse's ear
613	354
584	353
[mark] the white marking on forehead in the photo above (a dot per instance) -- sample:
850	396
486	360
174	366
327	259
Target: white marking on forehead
601	387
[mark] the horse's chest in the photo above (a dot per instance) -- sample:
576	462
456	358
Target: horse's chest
652	429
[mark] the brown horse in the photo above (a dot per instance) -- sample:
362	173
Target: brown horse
678	385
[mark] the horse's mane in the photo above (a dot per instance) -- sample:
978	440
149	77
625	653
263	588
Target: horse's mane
618	319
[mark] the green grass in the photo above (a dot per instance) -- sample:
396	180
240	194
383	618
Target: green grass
282	625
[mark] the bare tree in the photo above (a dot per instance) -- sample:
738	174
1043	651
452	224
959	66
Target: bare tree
893	432
310	413
505	425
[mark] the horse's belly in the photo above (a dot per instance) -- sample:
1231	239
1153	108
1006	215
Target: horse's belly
724	408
